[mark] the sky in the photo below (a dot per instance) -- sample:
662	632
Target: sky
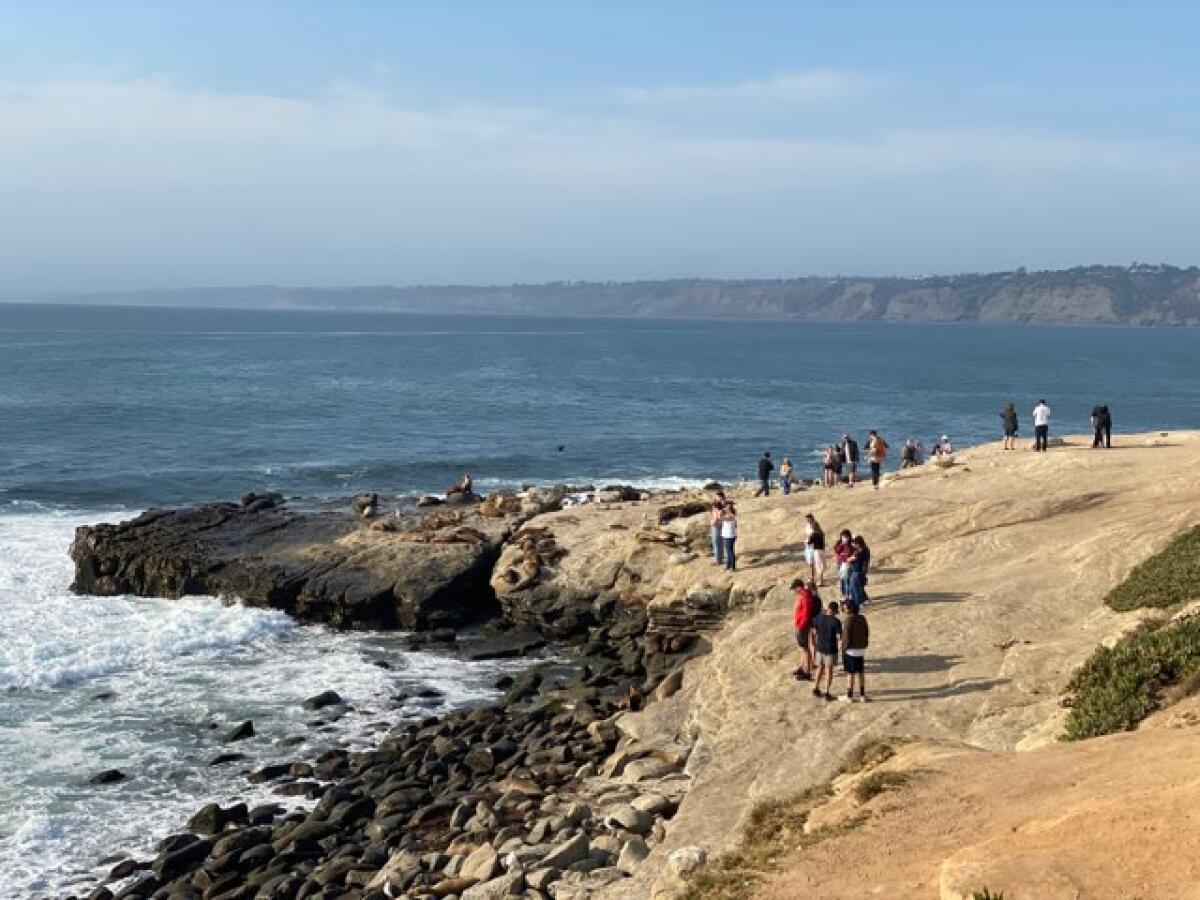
150	145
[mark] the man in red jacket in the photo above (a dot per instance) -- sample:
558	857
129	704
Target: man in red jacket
808	606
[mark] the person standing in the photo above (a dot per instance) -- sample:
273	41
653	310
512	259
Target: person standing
786	473
729	535
850	452
1041	426
814	549
856	578
718	545
1102	426
843	551
808	606
1008	416
877	449
827	477
828	630
765	468
855	639
908	455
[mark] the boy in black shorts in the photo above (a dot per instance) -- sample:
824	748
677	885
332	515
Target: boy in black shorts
828	629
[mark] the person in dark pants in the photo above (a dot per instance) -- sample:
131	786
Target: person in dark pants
1041	426
877	449
765	468
729	536
1102	426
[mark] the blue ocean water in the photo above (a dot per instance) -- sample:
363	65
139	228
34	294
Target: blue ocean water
140	407
106	411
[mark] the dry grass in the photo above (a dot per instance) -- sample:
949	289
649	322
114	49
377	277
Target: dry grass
775	828
880	782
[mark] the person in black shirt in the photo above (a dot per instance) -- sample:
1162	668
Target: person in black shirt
1102	426
850	453
765	468
828	630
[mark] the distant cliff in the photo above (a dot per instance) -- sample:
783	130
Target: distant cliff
1134	295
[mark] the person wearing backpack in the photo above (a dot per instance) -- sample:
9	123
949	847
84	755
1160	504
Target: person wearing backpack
877	449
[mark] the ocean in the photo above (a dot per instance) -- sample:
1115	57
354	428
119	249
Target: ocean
105	412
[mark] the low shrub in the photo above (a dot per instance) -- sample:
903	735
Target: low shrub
1119	686
1168	578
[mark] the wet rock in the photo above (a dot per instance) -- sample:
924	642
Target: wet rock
224	758
510	645
241	732
212	818
323	699
108	776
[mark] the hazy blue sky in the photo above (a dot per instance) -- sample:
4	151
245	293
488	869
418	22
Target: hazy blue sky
170	144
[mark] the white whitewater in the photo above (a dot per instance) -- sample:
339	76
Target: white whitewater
149	687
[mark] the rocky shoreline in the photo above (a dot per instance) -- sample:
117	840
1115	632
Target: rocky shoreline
539	795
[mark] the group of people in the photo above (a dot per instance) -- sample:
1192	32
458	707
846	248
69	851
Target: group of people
820	632
1101	426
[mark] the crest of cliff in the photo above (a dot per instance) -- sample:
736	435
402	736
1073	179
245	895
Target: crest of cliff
1088	295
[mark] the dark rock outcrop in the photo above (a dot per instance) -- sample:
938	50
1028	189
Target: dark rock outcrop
322	565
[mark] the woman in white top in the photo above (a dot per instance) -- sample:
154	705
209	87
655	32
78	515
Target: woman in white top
729	534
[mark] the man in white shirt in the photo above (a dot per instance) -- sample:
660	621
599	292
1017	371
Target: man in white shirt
1041	425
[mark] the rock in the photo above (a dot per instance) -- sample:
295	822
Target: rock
669	686
480	760
568	852
212	818
323	699
629	818
679	559
222	758
483	864
541	879
647	768
511	645
429	500
686	860
453	885
505	886
632	854
108	776
241	732
171	864
319	565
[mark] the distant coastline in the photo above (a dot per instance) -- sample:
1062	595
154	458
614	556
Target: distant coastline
1091	295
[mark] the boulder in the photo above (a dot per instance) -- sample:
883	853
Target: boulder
509	885
322	565
323	699
108	776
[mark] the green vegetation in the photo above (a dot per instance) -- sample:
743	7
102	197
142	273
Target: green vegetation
1168	578
1119	686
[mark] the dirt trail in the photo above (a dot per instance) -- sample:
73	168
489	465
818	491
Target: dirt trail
986	594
